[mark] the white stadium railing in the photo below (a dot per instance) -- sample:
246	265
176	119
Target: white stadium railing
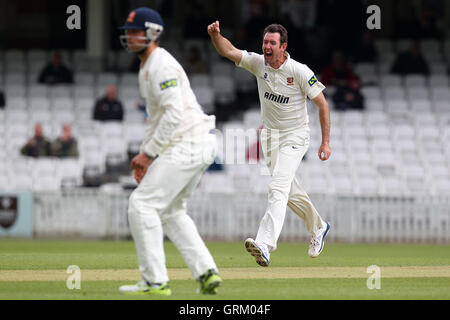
93	213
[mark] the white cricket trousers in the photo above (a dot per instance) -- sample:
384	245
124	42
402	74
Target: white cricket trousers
283	152
158	206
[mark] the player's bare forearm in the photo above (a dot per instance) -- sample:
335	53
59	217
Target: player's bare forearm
324	117
223	45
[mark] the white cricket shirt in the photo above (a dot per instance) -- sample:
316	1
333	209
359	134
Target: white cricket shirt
172	108
282	91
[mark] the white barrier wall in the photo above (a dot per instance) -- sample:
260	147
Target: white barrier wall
234	217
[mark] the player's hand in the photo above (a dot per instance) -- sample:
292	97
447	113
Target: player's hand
141	162
214	29
324	152
138	175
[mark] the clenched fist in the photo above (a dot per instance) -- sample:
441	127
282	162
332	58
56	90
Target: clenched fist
214	29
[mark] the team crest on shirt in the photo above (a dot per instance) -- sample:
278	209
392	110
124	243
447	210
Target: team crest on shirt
312	81
290	81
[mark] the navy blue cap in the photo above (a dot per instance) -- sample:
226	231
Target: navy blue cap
138	18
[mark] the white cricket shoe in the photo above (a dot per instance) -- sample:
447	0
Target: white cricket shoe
317	242
259	251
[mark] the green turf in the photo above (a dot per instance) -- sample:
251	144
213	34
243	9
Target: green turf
47	254
256	289
40	254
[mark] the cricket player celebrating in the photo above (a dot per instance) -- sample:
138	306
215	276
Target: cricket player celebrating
176	150
283	86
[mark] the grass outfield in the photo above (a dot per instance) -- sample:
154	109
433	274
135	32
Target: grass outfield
37	270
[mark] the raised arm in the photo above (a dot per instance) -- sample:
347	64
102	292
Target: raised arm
324	117
223	45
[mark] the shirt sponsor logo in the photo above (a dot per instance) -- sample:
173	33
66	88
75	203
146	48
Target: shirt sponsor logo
276	98
167	84
312	81
290	81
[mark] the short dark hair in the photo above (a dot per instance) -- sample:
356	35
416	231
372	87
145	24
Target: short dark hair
277	28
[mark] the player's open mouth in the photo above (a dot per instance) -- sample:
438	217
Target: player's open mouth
268	54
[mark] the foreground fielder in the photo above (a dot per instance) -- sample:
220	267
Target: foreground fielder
283	86
176	150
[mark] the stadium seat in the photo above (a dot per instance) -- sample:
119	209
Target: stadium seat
392	186
438	68
81	92
367	186
380	145
129	80
60	91
415	81
40	104
63	116
37	91
396	106
359	158
365	68
440	94
404	131
200	80
402	45
393	93
245	81
374	105
222	69
15	79
125	60
438	80
205	97
378	131
85	79
390	81
16	103
371	93
107	78
424	118
441	106
13	91
415	93
421	105
62	104
351	118
384	45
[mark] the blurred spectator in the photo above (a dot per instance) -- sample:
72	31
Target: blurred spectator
431	18
56	72
38	146
301	12
338	72
365	50
253	28
349	97
108	107
66	145
406	21
410	61
196	22
194	62
2	100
